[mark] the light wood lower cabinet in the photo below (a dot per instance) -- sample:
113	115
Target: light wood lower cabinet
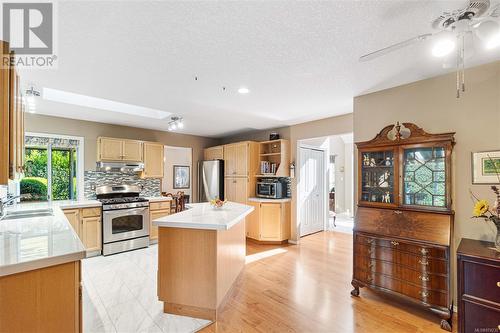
42	300
157	210
269	222
87	223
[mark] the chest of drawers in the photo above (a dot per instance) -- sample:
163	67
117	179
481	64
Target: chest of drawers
405	254
478	267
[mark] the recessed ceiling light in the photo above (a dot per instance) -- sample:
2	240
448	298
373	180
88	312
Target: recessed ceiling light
243	90
102	104
443	48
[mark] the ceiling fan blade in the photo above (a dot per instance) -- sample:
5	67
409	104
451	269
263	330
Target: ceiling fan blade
394	47
495	11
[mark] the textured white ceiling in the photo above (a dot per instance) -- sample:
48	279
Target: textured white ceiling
299	59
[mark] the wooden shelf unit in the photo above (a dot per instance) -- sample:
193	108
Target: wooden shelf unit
275	152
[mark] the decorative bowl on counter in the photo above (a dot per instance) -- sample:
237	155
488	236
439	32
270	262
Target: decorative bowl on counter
217	203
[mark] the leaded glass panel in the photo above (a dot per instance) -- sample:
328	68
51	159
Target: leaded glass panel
424	177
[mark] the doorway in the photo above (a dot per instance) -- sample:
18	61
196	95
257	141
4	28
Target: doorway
312	189
338	193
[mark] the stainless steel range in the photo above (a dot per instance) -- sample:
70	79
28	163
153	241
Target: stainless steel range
125	224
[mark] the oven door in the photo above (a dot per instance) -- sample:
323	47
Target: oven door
124	224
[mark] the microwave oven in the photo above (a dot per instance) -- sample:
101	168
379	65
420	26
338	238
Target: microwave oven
272	189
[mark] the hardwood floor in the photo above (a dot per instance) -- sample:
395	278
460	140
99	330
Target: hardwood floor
307	288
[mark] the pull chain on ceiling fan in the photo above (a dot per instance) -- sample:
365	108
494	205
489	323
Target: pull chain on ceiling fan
478	17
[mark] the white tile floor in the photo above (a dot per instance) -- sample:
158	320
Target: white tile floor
119	295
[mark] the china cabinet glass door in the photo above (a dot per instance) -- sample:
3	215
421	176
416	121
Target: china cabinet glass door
377	177
424	177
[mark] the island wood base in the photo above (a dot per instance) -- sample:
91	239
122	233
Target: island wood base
197	268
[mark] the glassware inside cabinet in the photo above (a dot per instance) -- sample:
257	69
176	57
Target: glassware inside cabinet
377	176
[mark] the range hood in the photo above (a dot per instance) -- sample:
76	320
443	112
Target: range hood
120	166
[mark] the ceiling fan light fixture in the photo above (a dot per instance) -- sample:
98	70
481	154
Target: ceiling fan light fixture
443	47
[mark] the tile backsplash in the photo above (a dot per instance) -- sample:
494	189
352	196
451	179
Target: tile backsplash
151	187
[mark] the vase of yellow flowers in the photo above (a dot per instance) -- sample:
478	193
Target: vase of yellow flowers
483	210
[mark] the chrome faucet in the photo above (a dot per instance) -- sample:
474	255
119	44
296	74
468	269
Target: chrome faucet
5	203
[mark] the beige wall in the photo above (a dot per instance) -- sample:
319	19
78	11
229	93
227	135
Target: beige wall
432	105
91	130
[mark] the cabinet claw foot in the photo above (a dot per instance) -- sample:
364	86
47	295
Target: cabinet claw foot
355	291
445	325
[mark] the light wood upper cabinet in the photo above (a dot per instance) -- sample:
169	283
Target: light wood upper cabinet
91	233
113	149
236	159
132	150
110	149
213	153
11	121
153	160
236	189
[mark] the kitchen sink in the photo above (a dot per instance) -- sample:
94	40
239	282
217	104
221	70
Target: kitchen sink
29	213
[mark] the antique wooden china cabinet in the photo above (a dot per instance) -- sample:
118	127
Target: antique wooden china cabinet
404	222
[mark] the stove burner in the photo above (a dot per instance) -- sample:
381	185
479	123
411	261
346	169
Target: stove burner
109	201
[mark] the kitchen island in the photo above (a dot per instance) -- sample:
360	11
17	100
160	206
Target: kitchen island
201	252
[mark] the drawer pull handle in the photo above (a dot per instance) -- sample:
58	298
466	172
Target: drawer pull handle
424	278
424	293
424	251
395	243
398	212
423	262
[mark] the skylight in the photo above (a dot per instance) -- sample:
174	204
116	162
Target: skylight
102	104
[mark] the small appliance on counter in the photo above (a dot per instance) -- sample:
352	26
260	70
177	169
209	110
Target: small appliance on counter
273	188
125	218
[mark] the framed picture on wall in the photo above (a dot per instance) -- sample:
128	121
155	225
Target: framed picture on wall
181	177
486	167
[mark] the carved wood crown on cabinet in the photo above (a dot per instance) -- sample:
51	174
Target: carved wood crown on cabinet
404	222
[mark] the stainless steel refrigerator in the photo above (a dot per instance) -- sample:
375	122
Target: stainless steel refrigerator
210	180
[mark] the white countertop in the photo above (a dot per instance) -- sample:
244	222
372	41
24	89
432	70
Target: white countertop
270	200
205	217
37	242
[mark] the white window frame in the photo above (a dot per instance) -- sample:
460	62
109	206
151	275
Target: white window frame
80	157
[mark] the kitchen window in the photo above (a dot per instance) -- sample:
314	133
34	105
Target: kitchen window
53	168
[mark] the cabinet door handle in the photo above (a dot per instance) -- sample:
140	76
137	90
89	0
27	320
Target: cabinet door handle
424	293
423	262
424	278
424	251
394	243
398	212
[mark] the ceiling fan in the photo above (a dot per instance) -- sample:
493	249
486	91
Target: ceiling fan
452	27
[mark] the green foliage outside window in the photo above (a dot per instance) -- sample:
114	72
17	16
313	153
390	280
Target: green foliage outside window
36	166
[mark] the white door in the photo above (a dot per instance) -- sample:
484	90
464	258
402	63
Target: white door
312	190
